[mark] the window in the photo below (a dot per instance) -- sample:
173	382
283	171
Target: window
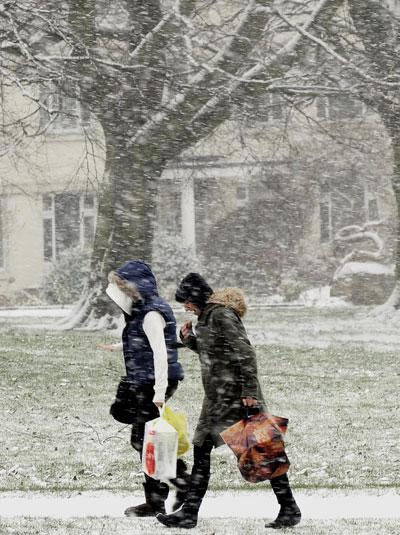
373	211
322	107
371	205
339	107
325	216
1	236
263	107
242	195
275	107
345	107
88	219
69	220
64	109
171	217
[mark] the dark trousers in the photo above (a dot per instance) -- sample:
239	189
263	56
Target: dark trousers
145	410
200	475
200	478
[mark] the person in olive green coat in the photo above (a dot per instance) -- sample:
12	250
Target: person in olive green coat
228	364
229	376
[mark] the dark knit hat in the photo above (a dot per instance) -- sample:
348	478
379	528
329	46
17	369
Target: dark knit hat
195	289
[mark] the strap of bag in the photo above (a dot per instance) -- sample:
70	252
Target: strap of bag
161	410
251	411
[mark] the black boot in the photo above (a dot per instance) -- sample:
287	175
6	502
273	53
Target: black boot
289	514
155	493
181	482
288	517
192	495
184	518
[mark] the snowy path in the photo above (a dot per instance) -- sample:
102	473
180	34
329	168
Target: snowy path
319	504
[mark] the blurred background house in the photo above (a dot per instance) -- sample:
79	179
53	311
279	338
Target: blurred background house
257	204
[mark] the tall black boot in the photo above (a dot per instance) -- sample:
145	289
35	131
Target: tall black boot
187	516
155	493
289	514
181	482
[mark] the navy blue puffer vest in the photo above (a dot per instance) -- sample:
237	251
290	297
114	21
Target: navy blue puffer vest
138	354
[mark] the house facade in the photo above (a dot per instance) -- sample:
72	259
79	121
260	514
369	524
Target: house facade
267	203
48	186
252	193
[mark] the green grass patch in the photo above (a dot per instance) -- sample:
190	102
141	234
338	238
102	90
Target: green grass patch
56	389
214	526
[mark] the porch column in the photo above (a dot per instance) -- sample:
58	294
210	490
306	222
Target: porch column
188	213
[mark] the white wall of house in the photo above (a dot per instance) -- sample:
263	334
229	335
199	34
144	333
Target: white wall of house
22	243
53	166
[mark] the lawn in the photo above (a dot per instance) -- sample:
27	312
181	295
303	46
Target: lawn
215	526
56	389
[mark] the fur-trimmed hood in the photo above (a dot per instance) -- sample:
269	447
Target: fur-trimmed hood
136	280
233	298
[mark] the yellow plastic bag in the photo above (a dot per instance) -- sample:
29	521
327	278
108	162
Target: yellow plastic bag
178	420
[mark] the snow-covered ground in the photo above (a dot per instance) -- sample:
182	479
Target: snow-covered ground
314	320
322	331
34	312
316	504
309	326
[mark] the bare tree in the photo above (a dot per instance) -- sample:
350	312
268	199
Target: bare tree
358	52
158	76
378	28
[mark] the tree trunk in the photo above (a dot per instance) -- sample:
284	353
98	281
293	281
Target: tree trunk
125	225
391	119
378	31
396	189
393	303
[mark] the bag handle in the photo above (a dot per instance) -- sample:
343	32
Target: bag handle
161	409
251	411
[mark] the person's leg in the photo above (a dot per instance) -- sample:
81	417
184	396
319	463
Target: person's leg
186	517
182	479
155	492
181	483
289	514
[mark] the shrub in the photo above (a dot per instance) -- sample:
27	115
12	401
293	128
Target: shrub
66	277
291	286
172	260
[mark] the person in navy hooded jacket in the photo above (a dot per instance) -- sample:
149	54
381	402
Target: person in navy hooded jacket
153	372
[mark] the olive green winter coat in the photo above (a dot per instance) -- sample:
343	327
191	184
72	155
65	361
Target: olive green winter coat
228	364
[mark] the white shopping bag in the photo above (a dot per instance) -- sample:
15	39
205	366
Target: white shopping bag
160	449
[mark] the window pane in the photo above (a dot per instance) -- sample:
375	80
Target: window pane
88	230
373	211
88	201
1	238
47	99
48	239
262	107
241	193
47	203
344	107
63	104
68	117
85	115
321	103
67	221
277	107
324	221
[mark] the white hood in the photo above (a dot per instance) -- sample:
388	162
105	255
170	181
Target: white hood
119	297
